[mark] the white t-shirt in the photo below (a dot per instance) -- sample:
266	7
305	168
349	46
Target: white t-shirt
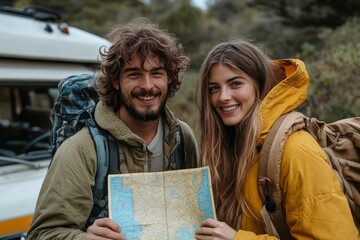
156	148
156	156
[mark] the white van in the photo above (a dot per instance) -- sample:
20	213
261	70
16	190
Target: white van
36	52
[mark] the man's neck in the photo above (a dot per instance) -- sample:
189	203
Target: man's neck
146	130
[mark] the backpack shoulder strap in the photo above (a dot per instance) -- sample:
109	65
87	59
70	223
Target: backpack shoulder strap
269	169
107	162
177	159
101	143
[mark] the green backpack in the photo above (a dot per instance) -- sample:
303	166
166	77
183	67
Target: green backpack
341	142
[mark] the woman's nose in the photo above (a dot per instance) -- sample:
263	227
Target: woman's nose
225	94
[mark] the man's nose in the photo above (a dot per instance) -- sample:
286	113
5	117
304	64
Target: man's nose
147	82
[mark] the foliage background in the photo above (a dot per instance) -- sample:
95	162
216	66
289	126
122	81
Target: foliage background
324	34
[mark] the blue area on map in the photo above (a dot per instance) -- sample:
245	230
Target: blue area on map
204	197
172	192
184	233
156	181
129	227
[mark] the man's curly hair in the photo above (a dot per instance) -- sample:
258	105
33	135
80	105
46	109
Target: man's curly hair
141	39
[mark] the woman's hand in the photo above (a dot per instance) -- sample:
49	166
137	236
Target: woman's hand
213	229
104	229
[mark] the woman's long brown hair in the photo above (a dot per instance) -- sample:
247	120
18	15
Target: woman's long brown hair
229	151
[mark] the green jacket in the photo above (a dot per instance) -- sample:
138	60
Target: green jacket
65	200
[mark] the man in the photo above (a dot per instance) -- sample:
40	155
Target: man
139	72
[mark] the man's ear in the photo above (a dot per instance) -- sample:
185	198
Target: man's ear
116	84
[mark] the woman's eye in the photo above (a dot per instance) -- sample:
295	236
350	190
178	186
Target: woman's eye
213	89
236	83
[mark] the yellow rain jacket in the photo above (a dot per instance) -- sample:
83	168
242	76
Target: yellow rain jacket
316	207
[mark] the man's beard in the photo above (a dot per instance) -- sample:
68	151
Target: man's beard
147	115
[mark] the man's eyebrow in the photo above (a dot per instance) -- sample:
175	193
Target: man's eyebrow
134	69
131	69
157	69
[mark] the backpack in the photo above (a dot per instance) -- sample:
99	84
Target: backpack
340	141
73	110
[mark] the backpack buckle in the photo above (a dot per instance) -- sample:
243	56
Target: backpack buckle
265	184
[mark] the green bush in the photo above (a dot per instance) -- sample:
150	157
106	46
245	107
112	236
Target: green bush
335	74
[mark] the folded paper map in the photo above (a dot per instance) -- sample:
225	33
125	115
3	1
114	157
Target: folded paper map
161	205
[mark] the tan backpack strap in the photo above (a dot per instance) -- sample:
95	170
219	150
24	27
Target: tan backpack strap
269	168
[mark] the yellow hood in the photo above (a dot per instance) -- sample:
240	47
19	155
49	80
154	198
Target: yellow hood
285	96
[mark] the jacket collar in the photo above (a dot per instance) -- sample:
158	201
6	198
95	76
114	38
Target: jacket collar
285	96
106	118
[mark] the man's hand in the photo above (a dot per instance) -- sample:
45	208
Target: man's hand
213	229
104	229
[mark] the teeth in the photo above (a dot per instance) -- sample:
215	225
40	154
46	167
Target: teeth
229	108
146	98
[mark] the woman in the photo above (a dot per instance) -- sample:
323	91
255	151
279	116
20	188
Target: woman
241	94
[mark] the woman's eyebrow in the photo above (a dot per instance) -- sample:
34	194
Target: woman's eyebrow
227	80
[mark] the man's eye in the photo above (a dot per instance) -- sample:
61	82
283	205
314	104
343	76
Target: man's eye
158	74
133	75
